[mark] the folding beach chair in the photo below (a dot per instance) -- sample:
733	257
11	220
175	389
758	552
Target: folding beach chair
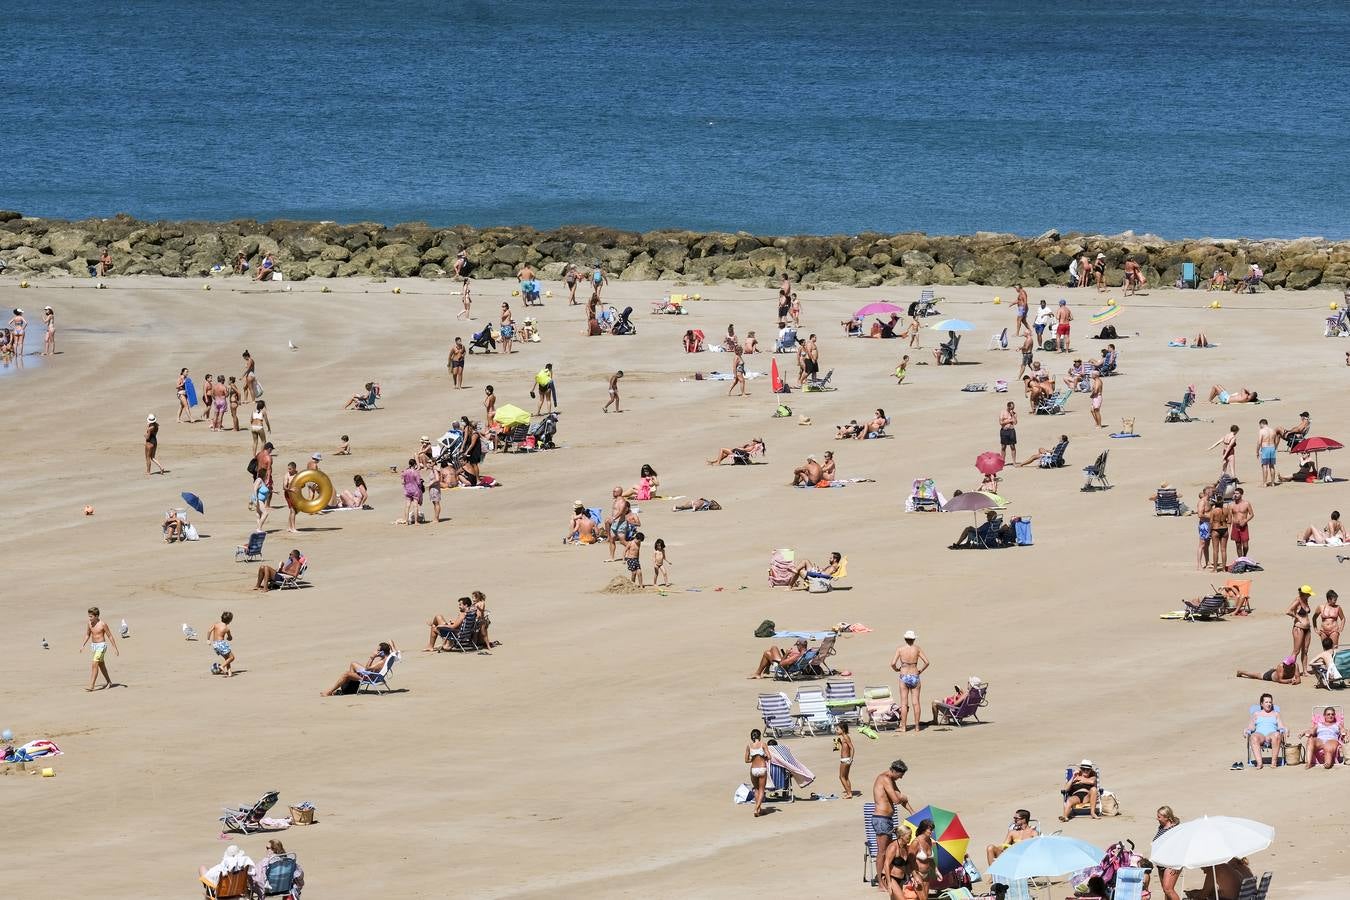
923	496
285	581
1054	404
380	679
998	340
1177	409
463	639
1209	609
966	709
947	350
842	702
247	819
1129	880
812	712
1055	458
1247	889
788	768
1276	760
777	715
1084	806
1189	276
1337	325
819	665
786	341
1096	474
870	841
230	884
252	552
280	876
817	383
880	707
371	399
1263	887
1167	502
799	669
779	786
927	304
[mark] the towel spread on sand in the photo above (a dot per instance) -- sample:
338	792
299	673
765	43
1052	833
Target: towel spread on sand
807	635
838	483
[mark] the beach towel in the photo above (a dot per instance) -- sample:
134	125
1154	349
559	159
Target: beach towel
781	568
807	635
32	750
782	756
838	483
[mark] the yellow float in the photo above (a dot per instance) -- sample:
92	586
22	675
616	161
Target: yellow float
1333	306
998	301
312	504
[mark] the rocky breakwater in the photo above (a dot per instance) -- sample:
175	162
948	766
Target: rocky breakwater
33	246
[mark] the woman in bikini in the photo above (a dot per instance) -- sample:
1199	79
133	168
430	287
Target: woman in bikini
740	455
152	444
489	405
1301	613
1080	788
353	499
1331	619
1167	820
232	394
484	620
571	278
182	396
921	851
757	755
844	744
249	378
19	324
49	338
260	425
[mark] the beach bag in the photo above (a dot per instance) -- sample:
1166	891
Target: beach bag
1110	806
1022	530
818	586
744	794
253	467
766	629
783	411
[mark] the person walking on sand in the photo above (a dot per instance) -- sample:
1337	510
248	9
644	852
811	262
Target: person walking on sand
1022	305
548	392
613	392
1265	453
219	637
465	300
288	492
98	636
152	444
1028	348
910	662
1007	431
660	564
886	795
455	362
183	407
844	744
1240	520
249	377
1228	459
1095	394
1063	320
571	277
598	280
738	375
412	493
757	756
259	425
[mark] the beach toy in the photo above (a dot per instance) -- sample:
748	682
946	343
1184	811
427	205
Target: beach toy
548	293
1333	305
1111	302
312	505
6	735
206	287
325	290
48	773
998	300
88	510
24	284
1215	304
101	286
515	293
398	290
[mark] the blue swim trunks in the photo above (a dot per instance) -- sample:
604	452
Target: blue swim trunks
1267	456
222	648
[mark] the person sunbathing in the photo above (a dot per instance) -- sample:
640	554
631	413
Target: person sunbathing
269	578
1080	788
1286	672
1224	881
808	474
784	656
740	456
1326	734
1333	536
955	700
439	621
852	327
1043	455
173	526
582	528
353	499
808	570
356	672
875	426
1266	729
1218	395
368	397
699	505
993	533
1295	433
845	432
827	467
1020	830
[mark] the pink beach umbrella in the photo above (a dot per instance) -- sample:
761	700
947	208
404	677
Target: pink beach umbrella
989	462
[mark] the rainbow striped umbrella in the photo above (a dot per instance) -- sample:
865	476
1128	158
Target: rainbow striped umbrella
1106	313
949	836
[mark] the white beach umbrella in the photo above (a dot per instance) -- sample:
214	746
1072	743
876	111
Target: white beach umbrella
1210	840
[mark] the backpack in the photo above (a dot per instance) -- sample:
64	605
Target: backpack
253	467
783	411
766	629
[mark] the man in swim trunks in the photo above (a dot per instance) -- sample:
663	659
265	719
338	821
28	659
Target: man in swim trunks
1028	346
613	392
455	362
1240	519
910	662
1063	318
1218	395
1007	429
1020	316
1265	453
886	795
808	474
220	637
782	655
98	636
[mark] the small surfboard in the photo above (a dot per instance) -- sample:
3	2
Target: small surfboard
191	392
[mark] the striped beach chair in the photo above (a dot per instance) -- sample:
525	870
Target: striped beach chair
777	714
811	709
463	639
870	841
927	304
783	769
841	701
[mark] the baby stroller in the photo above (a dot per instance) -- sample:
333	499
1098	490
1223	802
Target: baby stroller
483	340
450	447
529	290
544	431
787	341
624	325
606	317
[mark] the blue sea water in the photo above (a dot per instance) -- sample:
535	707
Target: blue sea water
1184	119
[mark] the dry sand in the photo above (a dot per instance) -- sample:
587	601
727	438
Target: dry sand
595	752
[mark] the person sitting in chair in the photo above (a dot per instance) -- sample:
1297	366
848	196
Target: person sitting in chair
945	354
1296	433
1249	283
993	533
367	398
1081	787
173	526
1046	457
276	852
1020	830
874	427
740	456
355	671
269	578
808	570
439	621
1266	729
783	656
961	696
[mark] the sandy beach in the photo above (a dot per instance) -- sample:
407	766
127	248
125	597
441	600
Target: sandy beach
595	751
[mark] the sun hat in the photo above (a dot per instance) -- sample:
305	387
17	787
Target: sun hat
974	681
1101	256
1306	589
911	636
150	419
425	439
316	456
1087	764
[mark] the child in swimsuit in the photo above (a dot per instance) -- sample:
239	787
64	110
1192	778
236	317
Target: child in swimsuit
631	559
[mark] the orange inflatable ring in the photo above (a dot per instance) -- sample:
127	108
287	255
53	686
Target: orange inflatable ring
311	505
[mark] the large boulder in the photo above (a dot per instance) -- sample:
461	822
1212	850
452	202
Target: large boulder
1302	279
735	269
511	254
641	269
768	260
336	253
322	268
917	258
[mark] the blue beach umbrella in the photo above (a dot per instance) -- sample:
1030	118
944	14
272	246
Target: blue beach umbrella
194	501
1045	857
952	325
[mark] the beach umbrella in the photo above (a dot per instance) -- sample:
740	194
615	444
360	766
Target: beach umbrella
953	325
1045	857
989	462
1315	445
974	501
1106	313
194	501
877	309
1210	840
949	836
509	415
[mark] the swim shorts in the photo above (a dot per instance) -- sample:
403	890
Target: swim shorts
1223	396
222	648
1007	437
1026	358
1242	534
1267	456
1062	329
1096	402
99	648
884	826
1204	531
632	563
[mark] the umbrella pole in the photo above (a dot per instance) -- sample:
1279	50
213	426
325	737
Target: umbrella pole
1214	874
